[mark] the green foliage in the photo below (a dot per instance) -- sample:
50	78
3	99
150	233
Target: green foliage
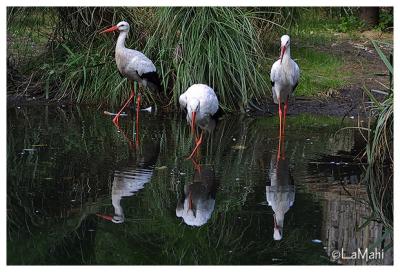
380	144
385	20
349	23
28	30
379	152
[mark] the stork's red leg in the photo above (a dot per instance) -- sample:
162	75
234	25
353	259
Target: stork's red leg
116	118
198	143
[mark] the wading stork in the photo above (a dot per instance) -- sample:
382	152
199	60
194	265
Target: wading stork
133	65
285	74
201	104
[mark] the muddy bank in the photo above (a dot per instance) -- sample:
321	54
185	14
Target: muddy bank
345	103
350	103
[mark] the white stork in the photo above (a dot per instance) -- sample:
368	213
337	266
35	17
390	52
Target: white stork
201	104
133	65
285	74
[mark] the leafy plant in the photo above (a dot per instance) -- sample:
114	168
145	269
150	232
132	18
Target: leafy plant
385	19
349	23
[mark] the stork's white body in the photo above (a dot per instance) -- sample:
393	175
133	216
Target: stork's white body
285	74
132	64
200	98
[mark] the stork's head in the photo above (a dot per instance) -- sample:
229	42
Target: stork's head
193	105
285	43
121	27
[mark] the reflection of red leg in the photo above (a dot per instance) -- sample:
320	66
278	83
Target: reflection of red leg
130	143
280	128
190	201
198	143
197	166
137	119
116	118
106	217
284	116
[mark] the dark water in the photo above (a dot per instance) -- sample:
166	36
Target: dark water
80	192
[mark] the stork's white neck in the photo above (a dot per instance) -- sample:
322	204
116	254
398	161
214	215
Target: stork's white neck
121	39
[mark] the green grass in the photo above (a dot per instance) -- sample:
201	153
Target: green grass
318	25
320	71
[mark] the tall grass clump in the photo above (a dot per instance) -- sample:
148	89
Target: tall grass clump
217	46
379	152
380	146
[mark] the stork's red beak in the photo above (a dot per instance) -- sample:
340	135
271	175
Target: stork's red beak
283	49
111	29
193	121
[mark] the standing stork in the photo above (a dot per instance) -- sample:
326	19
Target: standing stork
133	65
285	74
201	104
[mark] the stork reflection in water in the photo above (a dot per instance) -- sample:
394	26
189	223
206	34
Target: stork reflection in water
280	191
129	180
198	201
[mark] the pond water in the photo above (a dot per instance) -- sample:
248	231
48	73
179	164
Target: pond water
80	191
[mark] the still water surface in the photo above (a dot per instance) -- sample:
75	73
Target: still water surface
82	192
